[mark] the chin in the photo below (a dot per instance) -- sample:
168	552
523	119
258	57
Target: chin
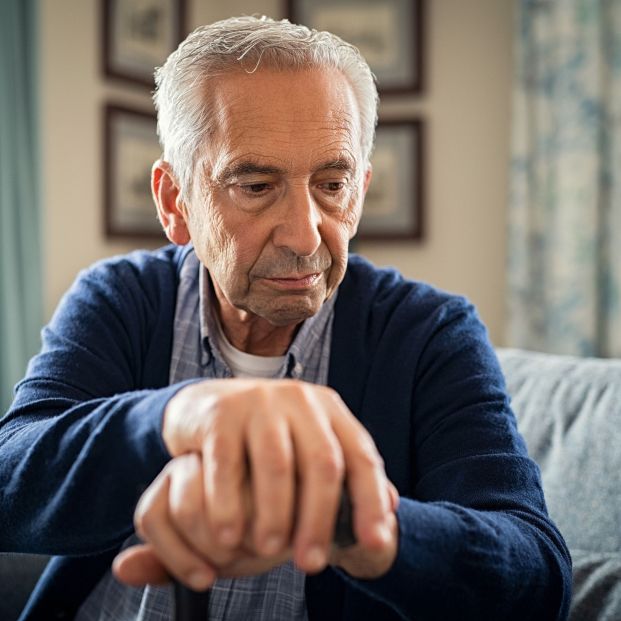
290	314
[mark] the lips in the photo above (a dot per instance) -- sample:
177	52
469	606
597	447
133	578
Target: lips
295	281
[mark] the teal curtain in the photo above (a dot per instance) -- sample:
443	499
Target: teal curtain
564	236
20	248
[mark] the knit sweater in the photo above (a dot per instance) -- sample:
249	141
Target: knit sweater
82	440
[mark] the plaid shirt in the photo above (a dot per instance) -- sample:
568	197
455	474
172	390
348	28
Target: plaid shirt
279	593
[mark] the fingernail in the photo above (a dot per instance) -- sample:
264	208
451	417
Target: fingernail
272	545
199	580
315	558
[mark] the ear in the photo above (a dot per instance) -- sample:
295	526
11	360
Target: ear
171	209
365	186
367	179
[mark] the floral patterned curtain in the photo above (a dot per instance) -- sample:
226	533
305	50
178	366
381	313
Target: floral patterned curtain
564	281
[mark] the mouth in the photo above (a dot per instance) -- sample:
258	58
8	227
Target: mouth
294	282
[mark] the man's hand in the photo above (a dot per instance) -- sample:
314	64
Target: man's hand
274	454
170	516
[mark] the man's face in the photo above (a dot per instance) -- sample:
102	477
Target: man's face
280	191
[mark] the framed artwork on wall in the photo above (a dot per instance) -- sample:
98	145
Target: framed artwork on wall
138	35
389	34
393	207
130	148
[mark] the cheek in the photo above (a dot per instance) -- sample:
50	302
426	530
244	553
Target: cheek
337	243
353	217
236	247
211	242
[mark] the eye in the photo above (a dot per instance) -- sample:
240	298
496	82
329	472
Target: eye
333	187
255	188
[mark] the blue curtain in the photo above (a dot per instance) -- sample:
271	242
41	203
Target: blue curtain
564	237
20	253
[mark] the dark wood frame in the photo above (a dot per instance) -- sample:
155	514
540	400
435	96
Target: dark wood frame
111	228
107	65
417	83
417	190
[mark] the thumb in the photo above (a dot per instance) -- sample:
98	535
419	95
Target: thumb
138	566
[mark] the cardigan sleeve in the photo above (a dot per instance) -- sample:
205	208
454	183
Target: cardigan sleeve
82	439
475	539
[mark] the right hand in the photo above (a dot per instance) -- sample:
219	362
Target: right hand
293	443
170	517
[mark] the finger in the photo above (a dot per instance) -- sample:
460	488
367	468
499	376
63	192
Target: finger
361	562
321	470
224	467
272	471
154	526
394	496
366	482
139	565
187	503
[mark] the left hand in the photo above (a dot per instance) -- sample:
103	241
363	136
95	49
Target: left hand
170	518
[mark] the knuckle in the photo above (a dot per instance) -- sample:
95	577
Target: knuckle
329	465
368	455
259	395
334	396
276	464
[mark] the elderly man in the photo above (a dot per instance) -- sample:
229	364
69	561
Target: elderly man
217	395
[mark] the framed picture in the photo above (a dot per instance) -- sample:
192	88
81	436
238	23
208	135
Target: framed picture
138	35
389	34
130	148
393	206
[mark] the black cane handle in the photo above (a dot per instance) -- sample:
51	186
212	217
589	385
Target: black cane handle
194	605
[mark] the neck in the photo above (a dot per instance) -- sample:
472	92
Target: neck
255	335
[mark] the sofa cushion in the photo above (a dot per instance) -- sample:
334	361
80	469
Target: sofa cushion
569	411
597	586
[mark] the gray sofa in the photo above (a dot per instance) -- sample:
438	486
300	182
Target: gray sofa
569	410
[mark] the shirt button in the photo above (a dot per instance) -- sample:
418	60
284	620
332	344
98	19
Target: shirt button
298	369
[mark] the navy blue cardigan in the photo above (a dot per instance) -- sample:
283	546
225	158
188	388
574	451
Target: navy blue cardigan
83	439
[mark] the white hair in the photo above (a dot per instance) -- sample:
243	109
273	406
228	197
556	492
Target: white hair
185	118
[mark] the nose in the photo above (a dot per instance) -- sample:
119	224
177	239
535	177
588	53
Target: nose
300	221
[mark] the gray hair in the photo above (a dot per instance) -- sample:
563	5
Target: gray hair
184	113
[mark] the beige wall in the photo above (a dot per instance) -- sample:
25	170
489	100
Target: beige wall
466	108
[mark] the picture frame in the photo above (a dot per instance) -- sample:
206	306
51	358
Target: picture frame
130	148
389	34
138	36
393	206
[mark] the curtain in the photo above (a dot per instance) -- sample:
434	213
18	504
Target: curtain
20	266
564	223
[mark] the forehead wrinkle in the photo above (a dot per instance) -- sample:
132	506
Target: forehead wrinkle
253	113
253	146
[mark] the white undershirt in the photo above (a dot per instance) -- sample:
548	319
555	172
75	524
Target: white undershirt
247	365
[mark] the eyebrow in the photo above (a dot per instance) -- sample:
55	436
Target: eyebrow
249	167
338	164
